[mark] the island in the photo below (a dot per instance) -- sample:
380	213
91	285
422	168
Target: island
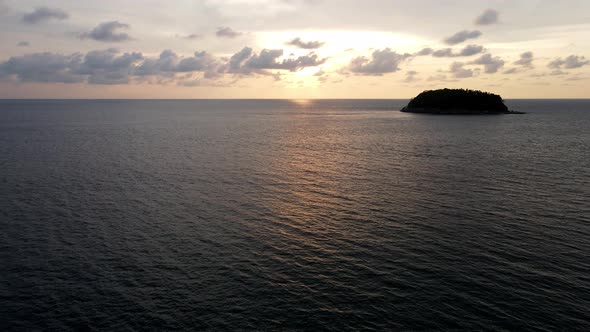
457	101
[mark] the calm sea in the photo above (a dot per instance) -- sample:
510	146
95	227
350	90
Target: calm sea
293	215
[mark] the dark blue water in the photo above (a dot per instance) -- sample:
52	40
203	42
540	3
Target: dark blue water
281	215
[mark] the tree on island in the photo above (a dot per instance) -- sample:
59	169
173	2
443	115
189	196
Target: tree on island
457	101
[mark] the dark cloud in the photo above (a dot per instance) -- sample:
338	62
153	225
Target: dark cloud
443	53
491	64
247	62
169	63
235	62
571	62
192	36
459	71
268	59
381	62
108	32
23	44
310	45
43	67
488	17
468	50
227	32
425	51
43	14
462	36
104	67
526	60
200	61
165	63
108	66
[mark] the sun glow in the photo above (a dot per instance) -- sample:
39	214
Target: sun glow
337	41
338	48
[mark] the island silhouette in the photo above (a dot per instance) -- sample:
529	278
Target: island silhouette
457	101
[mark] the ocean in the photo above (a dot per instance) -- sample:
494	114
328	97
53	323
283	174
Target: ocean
291	215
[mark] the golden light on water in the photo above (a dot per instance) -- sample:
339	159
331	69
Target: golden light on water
303	103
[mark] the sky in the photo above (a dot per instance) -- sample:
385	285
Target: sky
292	48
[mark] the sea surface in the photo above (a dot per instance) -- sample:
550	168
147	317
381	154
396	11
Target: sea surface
337	215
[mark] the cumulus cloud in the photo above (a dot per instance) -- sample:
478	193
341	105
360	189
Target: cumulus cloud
108	32
462	36
227	32
526	60
236	60
43	67
443	53
468	50
108	66
571	62
23	44
491	64
247	62
381	62
268	59
459	71
43	14
169	63
488	17
111	66
424	51
310	45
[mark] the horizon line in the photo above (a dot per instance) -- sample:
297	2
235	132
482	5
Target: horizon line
196	99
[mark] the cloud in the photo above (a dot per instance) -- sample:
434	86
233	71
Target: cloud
458	71
381	62
310	45
424	51
169	63
162	65
526	60
511	71
227	32
42	14
491	64
462	36
411	76
23	44
268	59
192	36
43	67
468	50
443	53
107	32
235	62
105	67
488	17
571	62
108	66
247	62
441	78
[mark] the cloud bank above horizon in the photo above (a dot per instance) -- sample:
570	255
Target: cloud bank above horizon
292	48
